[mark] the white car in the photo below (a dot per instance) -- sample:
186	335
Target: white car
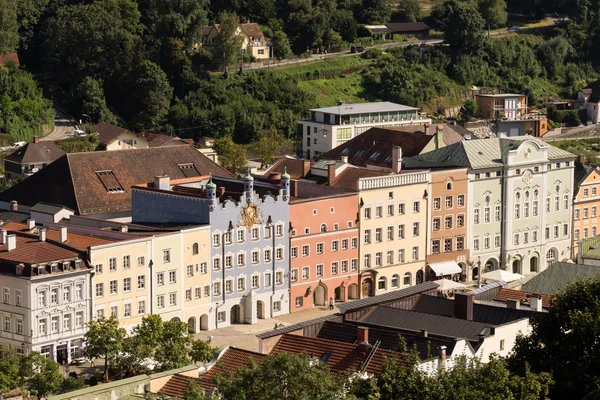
79	133
19	144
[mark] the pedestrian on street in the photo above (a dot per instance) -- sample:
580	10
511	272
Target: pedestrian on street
331	303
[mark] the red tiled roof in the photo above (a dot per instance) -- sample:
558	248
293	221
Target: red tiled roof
343	357
511	294
76	240
347	178
30	250
10	57
230	361
252	30
293	166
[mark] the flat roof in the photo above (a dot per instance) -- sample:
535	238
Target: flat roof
361	108
502	95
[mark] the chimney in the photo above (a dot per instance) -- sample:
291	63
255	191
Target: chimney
514	304
124	228
582	158
427	128
535	302
443	358
162	182
11	242
30	224
331	173
424	333
305	168
396	159
36	140
362	334
42	234
3	234
14	206
63	234
345	159
340	103
274	178
221	191
463	305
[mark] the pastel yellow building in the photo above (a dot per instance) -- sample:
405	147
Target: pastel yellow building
196	255
253	40
393	226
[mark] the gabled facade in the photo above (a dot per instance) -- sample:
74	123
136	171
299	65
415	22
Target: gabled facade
586	204
31	158
117	138
253	40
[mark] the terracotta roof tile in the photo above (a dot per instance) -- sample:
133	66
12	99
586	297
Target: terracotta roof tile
30	250
520	295
11	57
252	30
339	356
348	178
156	139
296	168
76	240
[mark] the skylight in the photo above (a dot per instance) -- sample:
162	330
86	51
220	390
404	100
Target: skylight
110	181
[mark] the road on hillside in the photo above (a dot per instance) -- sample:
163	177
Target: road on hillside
64	127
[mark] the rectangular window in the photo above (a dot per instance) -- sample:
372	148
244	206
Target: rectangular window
379	212
294	252
99	268
167	256
279	253
516	239
525	237
415	229
497	240
534	208
390	210
517	211
354	264
216	239
255	281
42	327
448	222
368	213
576	213
79	319
354	243
172	276
378	234
160	278
305	250
497	212
299	301
114	311
460	220
435	246
276	306
401	256
378	259
534	237
305	272
585	192
436	224
206	290
566	200
585	212
267	279
367	260
141	307
448	245
335	245
345	266
6	295
319	248
127	284
401	209
319	270
189	270
216	263
241	259
367	236
54	296
415	253
99	289
19	296
565	229
547	232
460	243
476	244
172	299
198	292
126	262
241	284
594	212
437	201
449	200
127	310
417	206
141	261
547	204
55	324
222	315
113	285
401	231
255	257
576	234
7	323
344	244
594	191
476	216
460	200
112	264
294	275
255	233
556	229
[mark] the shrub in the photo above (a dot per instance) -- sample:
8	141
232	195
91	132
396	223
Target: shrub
567	117
372	53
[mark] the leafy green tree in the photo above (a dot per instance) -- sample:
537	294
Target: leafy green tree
281	45
9	27
465	34
377	11
269	144
202	351
411	10
71	383
29	14
344	23
280	376
13	370
93	102
228	44
47	378
231	155
493	12
442	12
564	342
193	392
470	107
104	339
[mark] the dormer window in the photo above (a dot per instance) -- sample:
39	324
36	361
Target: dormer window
110	181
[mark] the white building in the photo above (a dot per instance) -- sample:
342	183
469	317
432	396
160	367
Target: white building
45	296
330	127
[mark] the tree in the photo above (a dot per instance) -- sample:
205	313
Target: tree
411	10
104	339
281	45
228	44
470	108
202	351
465	35
193	392
269	144
493	12
71	383
93	102
13	370
9	27
46	378
231	155
564	341
280	376
442	12
377	11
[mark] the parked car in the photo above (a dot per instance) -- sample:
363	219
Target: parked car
357	49
19	144
514	29
79	133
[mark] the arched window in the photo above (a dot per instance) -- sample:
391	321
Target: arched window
323	227
487	200
557	189
449	186
518	196
195	248
535	194
395	281
527	195
382	283
407	279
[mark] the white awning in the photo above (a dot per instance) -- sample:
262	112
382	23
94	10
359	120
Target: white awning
445	268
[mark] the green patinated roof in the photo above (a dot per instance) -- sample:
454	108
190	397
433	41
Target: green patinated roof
557	276
480	153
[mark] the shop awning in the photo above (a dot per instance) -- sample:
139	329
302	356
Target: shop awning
445	268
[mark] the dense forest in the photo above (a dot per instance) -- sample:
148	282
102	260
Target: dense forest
135	63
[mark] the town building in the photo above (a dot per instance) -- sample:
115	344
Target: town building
448	248
116	138
323	247
586	203
249	239
326	128
46	297
408	29
99	183
253	41
588	99
520	193
31	158
511	115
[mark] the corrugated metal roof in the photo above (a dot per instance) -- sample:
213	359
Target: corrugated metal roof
360	108
557	276
295	327
387	297
487	287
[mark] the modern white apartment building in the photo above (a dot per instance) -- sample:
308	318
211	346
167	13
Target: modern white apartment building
330	127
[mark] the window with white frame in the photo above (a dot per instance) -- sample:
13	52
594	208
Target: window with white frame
378	235
401	209
449	202
417	206
172	276
334	268
305	250
367	235
268	279
415	253
167	256
437	203
141	261
279	253
415	229
99	289
436	224
460	200
294	275
198	292
344	244
99	268
367	260
216	263
127	284
19	296
476	244
172	299
255	257
294	252
476	215
241	284
435	246
228	261
335	245
127	310
112	264
55	324
255	281
390	210
378	212
113	287
241	259
279	278
216	239
255	233
189	269
126	262
305	273
319	270
344	266
354	243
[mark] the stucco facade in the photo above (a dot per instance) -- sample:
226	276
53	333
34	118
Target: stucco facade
586	205
323	250
393	231
127	140
196	257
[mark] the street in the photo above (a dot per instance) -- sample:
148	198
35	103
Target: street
63	128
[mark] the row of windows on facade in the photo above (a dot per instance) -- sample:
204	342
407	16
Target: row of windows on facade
390	233
448	245
586	192
390	209
519	238
126	263
518	170
448	202
241	282
390	257
55	296
241	258
585	233
586	212
320	247
127	310
517	210
241	235
222	315
448	222
323	227
55	323
337	267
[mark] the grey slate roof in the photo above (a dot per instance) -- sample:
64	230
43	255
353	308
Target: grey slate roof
415	321
388	297
480	153
46	208
557	276
390	339
485	314
360	108
295	327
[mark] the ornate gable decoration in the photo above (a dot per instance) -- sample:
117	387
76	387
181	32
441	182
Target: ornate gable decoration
527	177
250	216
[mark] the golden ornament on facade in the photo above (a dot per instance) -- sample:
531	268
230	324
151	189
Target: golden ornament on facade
250	216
